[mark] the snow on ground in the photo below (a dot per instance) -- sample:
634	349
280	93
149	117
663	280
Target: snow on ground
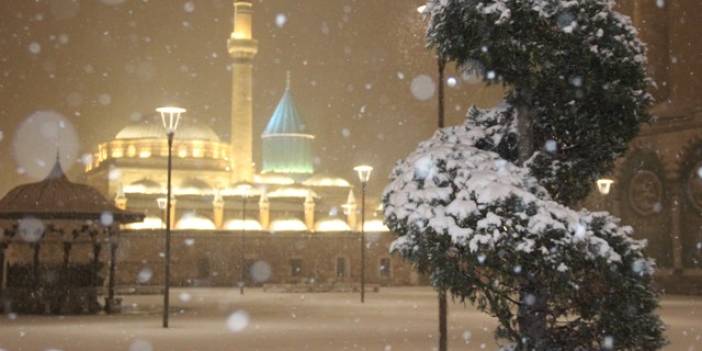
220	319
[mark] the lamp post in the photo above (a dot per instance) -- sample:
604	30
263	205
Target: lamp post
364	173
162	203
170	116
245	190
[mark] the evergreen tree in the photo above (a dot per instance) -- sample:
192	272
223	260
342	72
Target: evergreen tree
481	207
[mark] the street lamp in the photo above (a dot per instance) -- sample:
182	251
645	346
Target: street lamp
245	191
364	173
170	116
604	185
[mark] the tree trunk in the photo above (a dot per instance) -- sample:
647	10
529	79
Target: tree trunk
533	302
532	318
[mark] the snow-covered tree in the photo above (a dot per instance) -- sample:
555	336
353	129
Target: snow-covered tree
575	71
482	207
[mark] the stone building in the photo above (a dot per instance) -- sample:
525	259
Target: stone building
658	184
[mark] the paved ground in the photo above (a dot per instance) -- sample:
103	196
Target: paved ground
216	319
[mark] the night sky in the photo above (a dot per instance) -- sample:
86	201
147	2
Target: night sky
103	64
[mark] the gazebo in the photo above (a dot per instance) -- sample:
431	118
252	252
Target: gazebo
51	236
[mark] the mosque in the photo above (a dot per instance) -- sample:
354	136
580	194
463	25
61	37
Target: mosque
283	223
213	178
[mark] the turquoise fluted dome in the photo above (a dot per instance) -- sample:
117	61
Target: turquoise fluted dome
287	148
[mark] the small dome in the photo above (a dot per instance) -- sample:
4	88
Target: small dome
195	222
144	186
375	226
188	129
332	225
150	222
288	225
323	180
292	192
238	224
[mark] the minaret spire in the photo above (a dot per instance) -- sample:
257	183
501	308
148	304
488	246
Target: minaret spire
242	48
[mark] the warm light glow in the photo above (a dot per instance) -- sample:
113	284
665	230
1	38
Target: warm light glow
241	190
117	153
273	179
375	226
327	181
182	152
292	192
131	151
332	225
238	224
195	222
421	9
150	222
145	153
288	225
604	185
364	172
170	117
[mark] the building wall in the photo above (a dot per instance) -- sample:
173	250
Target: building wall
214	258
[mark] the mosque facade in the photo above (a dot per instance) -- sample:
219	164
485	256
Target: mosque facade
230	217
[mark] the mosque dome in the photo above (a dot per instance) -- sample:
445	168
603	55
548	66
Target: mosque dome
152	128
287	148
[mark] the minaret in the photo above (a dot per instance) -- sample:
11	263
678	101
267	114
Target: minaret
242	48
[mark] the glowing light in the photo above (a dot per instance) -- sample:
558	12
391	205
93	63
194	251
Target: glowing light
273	179
292	192
145	153
117	153
149	223
241	190
332	225
238	224
604	185
131	151
364	172
170	117
327	181
375	226
288	225
195	222
421	9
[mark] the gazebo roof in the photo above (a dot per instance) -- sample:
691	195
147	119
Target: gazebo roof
56	197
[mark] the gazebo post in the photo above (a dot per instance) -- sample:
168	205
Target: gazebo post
111	279
35	265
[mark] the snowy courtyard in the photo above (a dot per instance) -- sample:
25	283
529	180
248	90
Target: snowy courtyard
221	319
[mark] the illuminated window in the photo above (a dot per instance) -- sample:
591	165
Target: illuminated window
182	152
145	153
117	153
198	152
131	151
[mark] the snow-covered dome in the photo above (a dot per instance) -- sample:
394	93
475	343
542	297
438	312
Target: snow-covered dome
324	180
189	129
195	222
238	224
333	224
150	222
288	225
375	226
